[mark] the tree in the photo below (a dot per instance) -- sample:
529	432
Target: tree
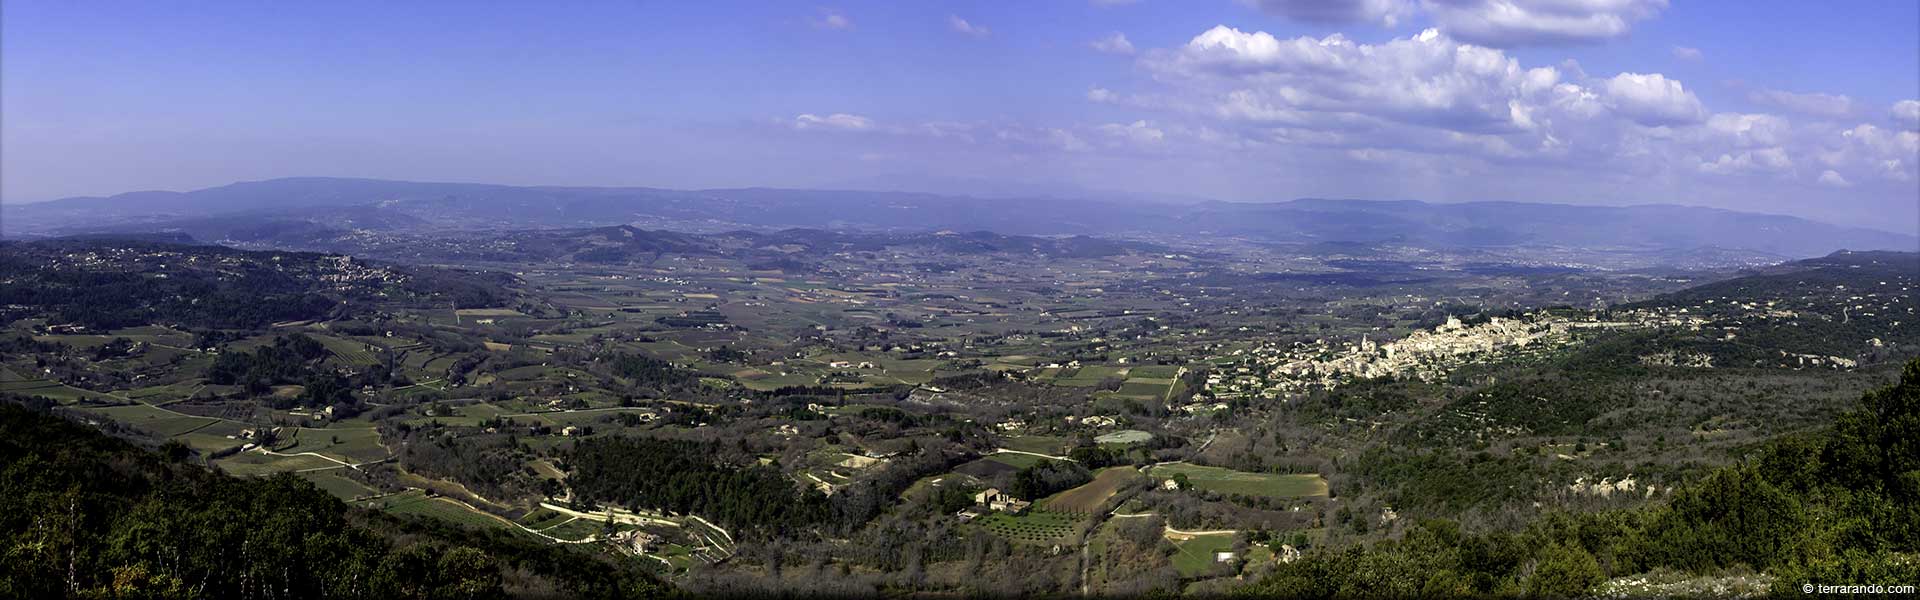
1564	571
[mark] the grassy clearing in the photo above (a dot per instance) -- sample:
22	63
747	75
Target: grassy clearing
1195	555
1228	481
1124	436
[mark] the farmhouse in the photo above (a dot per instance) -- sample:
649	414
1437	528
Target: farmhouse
993	499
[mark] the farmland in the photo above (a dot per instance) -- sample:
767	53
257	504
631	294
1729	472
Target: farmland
1094	495
1228	481
1034	527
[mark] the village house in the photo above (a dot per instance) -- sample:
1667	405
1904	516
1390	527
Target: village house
993	499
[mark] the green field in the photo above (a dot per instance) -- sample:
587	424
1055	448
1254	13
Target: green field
247	464
1043	444
416	502
1125	436
542	518
159	421
349	444
337	484
1017	461
1137	389
1195	556
577	529
1035	527
352	352
1228	481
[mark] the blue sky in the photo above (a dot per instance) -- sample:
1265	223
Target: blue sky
1792	107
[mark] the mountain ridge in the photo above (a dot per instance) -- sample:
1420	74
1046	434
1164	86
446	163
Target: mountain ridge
416	206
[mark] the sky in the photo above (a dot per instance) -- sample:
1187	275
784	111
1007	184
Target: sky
1803	108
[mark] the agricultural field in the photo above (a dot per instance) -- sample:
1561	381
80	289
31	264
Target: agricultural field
352	352
1093	495
1228	481
349	444
159	421
334	482
417	502
248	464
1039	444
1034	527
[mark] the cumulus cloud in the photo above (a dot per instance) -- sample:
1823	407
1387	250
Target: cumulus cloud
1138	132
1906	113
832	122
1426	80
1820	105
1102	95
831	19
1384	12
1113	43
1749	130
1831	178
1688	53
1652	99
960	25
1749	162
1527	22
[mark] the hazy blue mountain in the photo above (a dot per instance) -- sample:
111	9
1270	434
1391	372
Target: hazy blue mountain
414	206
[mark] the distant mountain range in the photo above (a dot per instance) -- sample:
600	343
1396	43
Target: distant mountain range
283	207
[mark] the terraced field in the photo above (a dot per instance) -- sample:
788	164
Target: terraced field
351	352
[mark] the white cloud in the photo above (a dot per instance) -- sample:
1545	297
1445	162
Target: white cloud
1385	12
1138	132
1820	105
1102	95
1426	80
1906	113
1749	162
832	122
1688	53
831	19
1830	178
1113	43
1652	99
962	26
1749	130
1524	22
